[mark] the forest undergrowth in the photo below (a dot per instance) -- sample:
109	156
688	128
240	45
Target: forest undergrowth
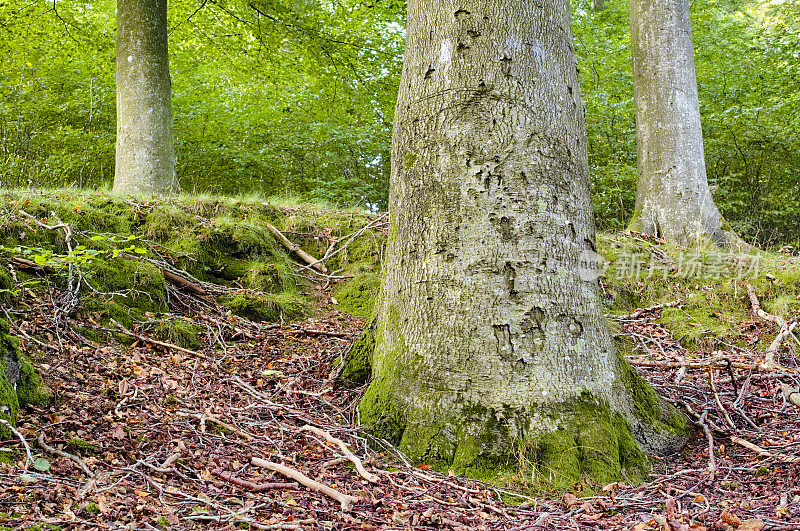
175	389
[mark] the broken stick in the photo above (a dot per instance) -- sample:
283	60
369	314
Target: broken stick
785	330
310	260
760	451
345	500
372	478
257	487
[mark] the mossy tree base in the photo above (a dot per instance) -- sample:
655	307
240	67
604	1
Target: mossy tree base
584	440
20	384
553	446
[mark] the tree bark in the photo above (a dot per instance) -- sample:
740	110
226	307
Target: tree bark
673	199
491	342
145	159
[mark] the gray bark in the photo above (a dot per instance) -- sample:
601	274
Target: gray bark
145	158
485	313
673	199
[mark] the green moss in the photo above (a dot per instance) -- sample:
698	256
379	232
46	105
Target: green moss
409	159
79	445
19	382
132	283
30	387
266	307
6	285
711	285
357	296
179	332
358	360
268	277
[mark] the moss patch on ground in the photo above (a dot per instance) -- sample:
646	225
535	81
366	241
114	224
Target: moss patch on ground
266	307
712	285
357	297
223	240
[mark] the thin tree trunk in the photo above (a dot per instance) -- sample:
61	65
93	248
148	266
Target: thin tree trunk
673	199
490	336
145	160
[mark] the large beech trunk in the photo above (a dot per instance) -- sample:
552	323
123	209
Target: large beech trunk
490	339
673	200
145	161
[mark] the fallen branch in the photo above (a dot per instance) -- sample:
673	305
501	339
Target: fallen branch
641	311
256	487
24	443
785	330
29	265
372	478
297	250
182	283
206	418
345	500
159	343
74	458
760	451
712	462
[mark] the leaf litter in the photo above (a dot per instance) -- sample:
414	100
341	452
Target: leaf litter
144	436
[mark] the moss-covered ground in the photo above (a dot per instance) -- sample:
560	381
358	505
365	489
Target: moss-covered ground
709	284
119	249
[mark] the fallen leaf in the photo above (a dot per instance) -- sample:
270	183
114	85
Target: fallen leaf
754	524
570	500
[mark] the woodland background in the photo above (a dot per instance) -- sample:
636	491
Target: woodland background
296	99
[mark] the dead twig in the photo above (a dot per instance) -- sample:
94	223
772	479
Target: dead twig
766	453
255	487
74	458
29	460
345	500
207	418
722	410
641	311
785	330
712	462
372	478
297	250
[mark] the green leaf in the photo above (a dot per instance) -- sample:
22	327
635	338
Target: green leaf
41	464
140	250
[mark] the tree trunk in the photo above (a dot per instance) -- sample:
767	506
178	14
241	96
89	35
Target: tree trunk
673	200
491	342
145	152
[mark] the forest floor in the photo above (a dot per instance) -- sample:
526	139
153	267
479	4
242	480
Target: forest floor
146	436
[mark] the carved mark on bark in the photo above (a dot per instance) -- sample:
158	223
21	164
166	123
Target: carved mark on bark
461	14
510	275
502	336
505	66
429	72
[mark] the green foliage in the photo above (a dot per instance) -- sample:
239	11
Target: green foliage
273	97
